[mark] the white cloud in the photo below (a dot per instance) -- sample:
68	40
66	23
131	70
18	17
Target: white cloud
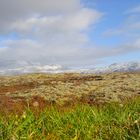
79	21
137	43
129	27
51	32
70	55
133	10
13	10
25	8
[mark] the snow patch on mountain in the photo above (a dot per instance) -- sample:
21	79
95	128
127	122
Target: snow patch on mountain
117	67
23	67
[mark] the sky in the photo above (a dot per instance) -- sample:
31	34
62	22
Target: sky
73	33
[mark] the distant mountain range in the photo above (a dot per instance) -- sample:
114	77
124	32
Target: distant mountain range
22	67
117	67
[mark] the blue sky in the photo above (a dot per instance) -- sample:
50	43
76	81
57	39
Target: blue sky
115	17
73	33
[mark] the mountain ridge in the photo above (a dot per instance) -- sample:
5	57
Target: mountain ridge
27	67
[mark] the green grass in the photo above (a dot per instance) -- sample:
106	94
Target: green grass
109	122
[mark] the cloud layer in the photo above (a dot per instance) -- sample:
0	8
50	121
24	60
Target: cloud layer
48	31
52	32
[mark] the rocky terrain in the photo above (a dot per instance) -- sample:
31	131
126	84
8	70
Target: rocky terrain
39	90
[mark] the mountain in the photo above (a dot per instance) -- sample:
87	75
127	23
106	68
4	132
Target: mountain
133	66
117	67
22	67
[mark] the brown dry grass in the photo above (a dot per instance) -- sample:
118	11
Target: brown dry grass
40	90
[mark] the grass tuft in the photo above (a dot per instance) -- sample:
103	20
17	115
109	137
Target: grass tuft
112	121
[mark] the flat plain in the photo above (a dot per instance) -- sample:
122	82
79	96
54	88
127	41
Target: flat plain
66	89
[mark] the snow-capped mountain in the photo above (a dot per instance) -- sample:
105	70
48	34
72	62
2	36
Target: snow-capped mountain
117	67
22	67
133	66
